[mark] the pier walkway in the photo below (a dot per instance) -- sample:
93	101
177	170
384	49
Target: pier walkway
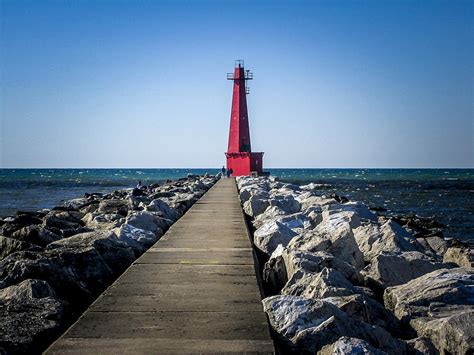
194	291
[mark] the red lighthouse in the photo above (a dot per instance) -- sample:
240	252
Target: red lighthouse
240	157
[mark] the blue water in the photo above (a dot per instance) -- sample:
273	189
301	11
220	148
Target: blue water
446	194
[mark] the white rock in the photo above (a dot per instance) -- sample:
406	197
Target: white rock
338	226
138	239
286	203
270	214
308	325
327	283
390	269
374	239
147	221
255	206
160	205
270	235
346	345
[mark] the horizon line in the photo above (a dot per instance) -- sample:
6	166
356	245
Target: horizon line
218	168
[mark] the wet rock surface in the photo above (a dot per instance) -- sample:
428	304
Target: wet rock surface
340	279
54	263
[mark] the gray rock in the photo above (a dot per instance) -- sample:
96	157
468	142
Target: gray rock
308	201
286	203
337	227
76	203
116	253
307	325
326	283
361	209
421	346
296	221
76	274
453	334
159	205
281	267
390	269
270	235
11	245
373	239
255	206
137	239
28	234
462	256
446	287
46	236
346	345
61	222
114	206
438	245
149	222
98	220
185	200
310	241
364	308
30	317
270	214
315	262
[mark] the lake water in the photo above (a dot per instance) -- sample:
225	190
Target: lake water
446	194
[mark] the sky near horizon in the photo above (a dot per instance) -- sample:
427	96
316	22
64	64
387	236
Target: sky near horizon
143	83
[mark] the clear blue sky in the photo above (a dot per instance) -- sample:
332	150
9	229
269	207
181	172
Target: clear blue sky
142	83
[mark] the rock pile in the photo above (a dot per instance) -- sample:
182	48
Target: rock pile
54	263
340	279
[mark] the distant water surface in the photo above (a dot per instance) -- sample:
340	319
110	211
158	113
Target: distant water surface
447	194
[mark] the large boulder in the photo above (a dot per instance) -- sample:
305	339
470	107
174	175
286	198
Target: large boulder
76	274
374	239
62	221
338	228
449	287
326	283
11	245
390	269
346	345
316	262
286	203
462	256
421	346
115	206
255	206
159	205
116	253
270	214
30	317
437	244
305	326
366	309
296	221
308	201
281	267
136	238
310	241
452	334
439	306
148	221
270	235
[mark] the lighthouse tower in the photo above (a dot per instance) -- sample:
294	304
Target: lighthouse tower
240	157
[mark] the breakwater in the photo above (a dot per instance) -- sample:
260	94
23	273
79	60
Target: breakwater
55	262
444	195
339	278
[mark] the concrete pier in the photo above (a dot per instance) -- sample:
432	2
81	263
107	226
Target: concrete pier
194	291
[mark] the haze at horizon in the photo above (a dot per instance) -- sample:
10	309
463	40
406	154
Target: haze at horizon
142	84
